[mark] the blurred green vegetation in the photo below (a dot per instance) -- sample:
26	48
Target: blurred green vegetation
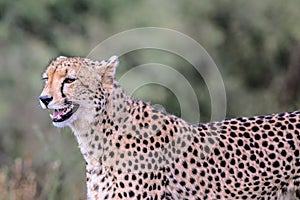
255	44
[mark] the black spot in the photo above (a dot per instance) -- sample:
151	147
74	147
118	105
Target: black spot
202	183
158	133
184	164
202	173
283	153
278	124
290	127
154	127
255	129
257	136
241	165
271	133
183	174
195	152
227	155
252	169
288	167
276	164
240	174
145	150
289	136
232	134
152	140
280	145
238	152
247	124
131	193
223	163
146	114
292	144
296	153
229	147
157	144
167	139
241	128
232	162
290	158
246	147
221	144
264	143
145	142
216	151
240	142
252	157
271	147
237	185
246	135
154	117
272	155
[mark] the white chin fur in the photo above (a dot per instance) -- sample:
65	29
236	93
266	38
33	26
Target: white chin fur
66	122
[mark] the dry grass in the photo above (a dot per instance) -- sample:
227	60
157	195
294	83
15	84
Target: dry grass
18	182
21	181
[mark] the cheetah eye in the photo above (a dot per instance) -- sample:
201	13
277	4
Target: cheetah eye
44	77
69	80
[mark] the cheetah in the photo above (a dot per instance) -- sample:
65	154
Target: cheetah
134	151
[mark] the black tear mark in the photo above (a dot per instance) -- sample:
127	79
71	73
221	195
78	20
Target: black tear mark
62	86
62	90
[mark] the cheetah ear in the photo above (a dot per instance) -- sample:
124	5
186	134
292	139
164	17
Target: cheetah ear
60	57
110	69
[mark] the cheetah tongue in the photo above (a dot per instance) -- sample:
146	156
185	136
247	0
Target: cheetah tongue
63	114
57	114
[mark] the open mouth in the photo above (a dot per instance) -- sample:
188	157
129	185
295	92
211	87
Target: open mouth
60	115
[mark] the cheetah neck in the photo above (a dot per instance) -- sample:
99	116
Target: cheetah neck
101	136
95	129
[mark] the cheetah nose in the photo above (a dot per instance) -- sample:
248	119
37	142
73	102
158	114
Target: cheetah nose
46	99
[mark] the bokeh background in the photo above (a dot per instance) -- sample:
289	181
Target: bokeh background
255	44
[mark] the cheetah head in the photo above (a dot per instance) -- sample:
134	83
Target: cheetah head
75	88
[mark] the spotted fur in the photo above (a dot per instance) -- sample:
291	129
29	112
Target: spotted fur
134	151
